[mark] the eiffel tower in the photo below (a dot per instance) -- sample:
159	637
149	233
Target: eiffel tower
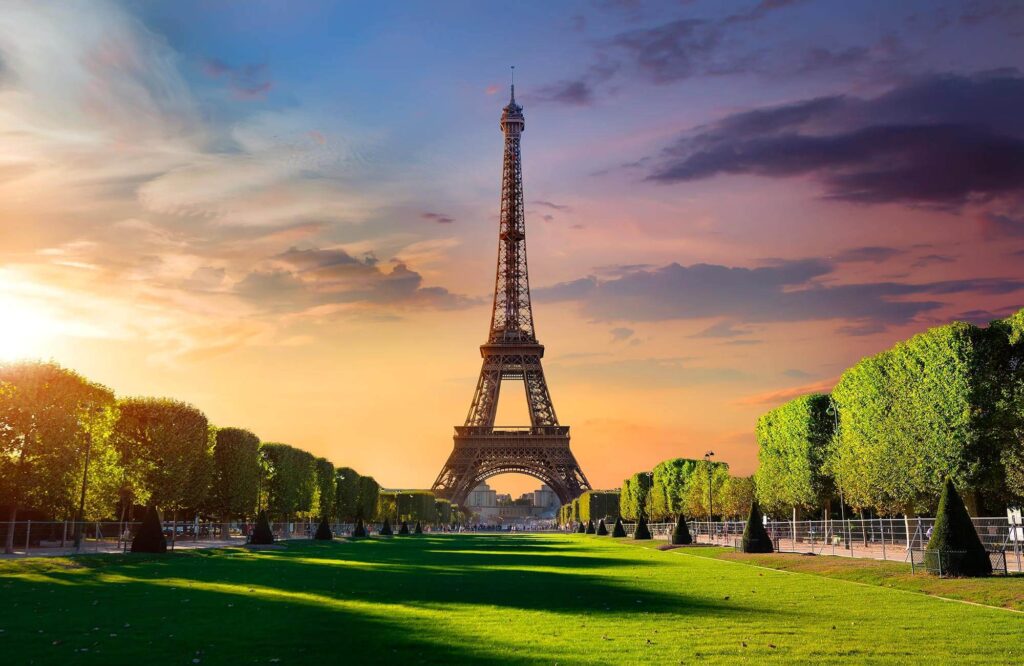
541	449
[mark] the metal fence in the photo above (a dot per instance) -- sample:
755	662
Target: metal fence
878	538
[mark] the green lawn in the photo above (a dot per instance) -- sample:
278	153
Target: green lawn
474	599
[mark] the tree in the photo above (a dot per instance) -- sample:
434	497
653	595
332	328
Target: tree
681	533
936	405
641	532
236	474
696	500
955	549
597	504
150	537
618	531
736	496
262	534
323	531
793	441
324	495
369	491
291	481
633	496
602	530
49	418
670	480
755	537
167	444
346	502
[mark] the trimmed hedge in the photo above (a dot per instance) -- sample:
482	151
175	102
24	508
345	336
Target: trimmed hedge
150	537
404	529
385	528
642	532
681	534
418	529
581	528
618	531
359	530
755	537
601	529
262	534
323	531
955	549
590	527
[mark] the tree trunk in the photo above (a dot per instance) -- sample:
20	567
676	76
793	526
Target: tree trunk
225	527
971	502
9	543
174	527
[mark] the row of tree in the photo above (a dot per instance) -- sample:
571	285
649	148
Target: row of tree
420	506
680	486
57	429
948	402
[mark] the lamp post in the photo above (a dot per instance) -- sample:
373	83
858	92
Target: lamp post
707	457
834	412
85	481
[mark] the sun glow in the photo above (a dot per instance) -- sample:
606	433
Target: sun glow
25	331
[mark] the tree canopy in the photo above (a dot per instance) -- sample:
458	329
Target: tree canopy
236	473
793	441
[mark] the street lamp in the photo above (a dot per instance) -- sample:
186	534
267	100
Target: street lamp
707	457
85	481
833	411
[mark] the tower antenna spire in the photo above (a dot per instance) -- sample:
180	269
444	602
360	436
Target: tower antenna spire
513	67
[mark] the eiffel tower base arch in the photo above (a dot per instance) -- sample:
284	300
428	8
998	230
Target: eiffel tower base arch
482	452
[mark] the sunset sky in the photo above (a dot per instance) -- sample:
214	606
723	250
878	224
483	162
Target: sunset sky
287	214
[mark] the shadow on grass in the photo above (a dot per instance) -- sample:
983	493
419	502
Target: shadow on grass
365	601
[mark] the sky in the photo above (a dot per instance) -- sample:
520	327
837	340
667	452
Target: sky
286	213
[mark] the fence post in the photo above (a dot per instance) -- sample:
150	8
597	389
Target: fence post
881	526
28	533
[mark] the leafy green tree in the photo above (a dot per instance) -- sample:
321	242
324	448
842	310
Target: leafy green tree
369	491
695	502
755	537
633	496
346	502
793	441
443	509
598	504
324	495
167	444
954	548
668	489
407	505
736	496
931	406
48	418
236	474
291	482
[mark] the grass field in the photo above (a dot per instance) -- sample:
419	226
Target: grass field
559	599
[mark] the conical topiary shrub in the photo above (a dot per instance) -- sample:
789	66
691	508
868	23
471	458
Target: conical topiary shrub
581	528
359	530
262	534
404	529
641	532
150	537
601	529
681	534
419	528
955	549
323	531
385	529
755	537
618	531
590	527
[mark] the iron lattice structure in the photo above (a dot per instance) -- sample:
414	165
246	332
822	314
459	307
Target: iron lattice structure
483	450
